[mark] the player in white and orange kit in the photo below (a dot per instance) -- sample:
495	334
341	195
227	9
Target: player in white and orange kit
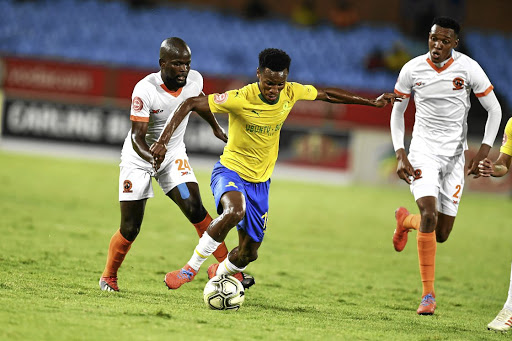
154	99
441	80
503	321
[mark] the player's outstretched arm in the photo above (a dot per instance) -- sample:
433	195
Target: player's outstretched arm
198	104
335	95
500	167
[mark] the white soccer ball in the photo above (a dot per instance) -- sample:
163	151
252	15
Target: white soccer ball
224	292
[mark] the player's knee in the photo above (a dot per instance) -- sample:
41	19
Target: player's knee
194	210
130	230
233	215
429	218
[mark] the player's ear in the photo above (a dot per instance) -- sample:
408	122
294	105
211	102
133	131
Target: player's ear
456	43
258	72
161	62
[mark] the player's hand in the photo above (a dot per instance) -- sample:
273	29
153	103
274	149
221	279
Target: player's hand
387	98
485	168
158	151
220	134
475	161
404	168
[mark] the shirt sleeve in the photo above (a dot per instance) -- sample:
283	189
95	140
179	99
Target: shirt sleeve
480	83
227	102
140	104
304	92
506	147
403	84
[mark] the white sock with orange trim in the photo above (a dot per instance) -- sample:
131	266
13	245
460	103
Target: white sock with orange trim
207	245
228	268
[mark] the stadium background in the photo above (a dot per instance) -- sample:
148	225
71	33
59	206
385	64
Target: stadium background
68	69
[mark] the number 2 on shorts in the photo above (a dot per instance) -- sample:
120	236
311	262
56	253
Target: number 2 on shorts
456	194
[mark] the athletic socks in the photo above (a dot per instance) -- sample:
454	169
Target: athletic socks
117	250
228	268
427	246
207	245
222	251
412	221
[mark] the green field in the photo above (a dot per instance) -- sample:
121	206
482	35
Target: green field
327	268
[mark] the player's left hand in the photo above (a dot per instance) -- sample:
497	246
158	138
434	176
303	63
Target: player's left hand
387	98
158	151
485	168
475	161
220	134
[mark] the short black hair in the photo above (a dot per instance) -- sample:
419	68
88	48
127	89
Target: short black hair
274	59
447	22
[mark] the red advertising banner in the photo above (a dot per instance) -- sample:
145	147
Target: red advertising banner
54	77
100	85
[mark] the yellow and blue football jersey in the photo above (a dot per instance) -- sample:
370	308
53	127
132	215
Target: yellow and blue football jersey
506	147
254	127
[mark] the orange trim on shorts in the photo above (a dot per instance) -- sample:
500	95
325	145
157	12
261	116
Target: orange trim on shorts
402	94
440	69
139	118
486	92
172	93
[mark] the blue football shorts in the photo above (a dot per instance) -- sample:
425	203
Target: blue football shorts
255	220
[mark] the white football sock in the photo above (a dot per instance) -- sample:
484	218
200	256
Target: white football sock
207	245
508	304
228	268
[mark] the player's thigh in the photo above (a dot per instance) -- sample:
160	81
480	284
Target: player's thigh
256	211
426	182
452	185
228	189
177	170
134	184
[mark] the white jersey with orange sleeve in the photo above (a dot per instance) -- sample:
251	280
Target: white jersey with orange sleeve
152	102
442	99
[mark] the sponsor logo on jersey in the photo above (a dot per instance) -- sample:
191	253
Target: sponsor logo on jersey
155	111
185	173
137	104
220	98
127	186
417	174
458	83
254	111
419	83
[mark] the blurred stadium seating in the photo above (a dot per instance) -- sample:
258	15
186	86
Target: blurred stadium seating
222	44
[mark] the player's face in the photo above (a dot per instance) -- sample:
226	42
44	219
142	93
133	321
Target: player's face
271	83
441	41
175	68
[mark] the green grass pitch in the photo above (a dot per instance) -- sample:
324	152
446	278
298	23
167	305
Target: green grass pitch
327	269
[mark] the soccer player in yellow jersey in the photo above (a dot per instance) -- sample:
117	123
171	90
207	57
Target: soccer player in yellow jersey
498	168
241	179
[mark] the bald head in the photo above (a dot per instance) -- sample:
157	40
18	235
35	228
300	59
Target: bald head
174	47
175	58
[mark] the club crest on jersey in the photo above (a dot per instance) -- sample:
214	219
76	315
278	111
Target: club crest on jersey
458	83
417	174
137	104
155	111
127	186
220	98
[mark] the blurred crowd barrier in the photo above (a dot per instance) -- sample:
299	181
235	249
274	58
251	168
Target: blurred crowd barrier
90	104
